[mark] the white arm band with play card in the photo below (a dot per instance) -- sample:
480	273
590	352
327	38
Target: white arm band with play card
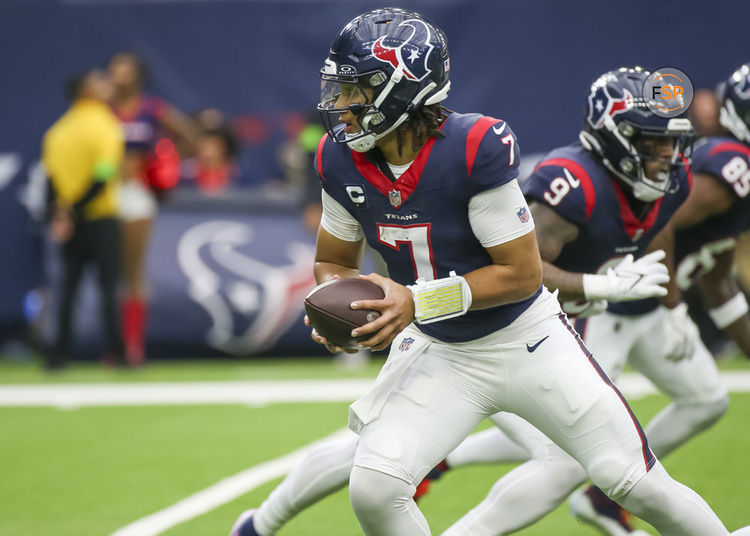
440	299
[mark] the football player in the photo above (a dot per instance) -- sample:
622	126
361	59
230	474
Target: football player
707	226
597	204
476	333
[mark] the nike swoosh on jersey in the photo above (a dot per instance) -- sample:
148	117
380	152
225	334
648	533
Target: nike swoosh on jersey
534	347
499	131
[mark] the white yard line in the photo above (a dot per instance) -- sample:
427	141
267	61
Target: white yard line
222	492
183	393
633	386
256	393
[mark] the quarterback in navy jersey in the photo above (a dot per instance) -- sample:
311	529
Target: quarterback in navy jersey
598	204
437	195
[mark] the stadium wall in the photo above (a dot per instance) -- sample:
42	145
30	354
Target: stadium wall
257	60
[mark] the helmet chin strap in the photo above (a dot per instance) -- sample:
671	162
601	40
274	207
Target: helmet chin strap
643	191
363	144
367	142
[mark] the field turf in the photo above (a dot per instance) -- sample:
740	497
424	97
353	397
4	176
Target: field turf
92	470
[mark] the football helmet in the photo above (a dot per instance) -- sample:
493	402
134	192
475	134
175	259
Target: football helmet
734	97
617	121
383	66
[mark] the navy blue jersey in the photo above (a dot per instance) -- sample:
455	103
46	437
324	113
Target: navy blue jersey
575	184
727	161
142	124
420	223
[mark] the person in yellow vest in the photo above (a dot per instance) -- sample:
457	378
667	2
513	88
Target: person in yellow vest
81	154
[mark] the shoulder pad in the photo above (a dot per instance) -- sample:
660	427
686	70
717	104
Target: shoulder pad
492	154
563	185
726	160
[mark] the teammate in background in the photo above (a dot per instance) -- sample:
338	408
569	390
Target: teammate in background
708	223
704	114
143	118
436	194
81	154
598	203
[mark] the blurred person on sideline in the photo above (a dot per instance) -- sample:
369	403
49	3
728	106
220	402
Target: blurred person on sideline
214	166
150	165
704	113
82	153
297	156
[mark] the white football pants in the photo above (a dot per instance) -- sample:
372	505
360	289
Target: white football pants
699	400
537	368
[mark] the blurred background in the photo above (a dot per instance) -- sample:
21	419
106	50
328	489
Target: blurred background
227	257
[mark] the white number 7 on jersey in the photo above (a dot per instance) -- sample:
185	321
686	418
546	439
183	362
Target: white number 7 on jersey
417	237
510	140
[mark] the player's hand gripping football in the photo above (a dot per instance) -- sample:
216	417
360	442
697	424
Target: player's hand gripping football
396	312
322	340
629	280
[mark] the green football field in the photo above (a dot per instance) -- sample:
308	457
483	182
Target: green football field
84	470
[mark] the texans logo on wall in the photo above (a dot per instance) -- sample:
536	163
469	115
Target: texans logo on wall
250	302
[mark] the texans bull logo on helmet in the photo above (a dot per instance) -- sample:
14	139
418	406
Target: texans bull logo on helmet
602	104
413	67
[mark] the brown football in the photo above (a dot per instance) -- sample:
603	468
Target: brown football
327	307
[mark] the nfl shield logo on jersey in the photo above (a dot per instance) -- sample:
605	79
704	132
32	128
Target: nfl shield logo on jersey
405	344
395	198
523	215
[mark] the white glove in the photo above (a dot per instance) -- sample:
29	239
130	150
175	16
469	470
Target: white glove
629	280
582	308
678	333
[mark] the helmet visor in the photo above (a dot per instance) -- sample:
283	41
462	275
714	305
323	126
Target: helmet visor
349	103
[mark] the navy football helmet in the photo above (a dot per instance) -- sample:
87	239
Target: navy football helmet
734	97
618	118
383	66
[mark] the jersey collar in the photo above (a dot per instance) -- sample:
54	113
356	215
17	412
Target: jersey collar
633	226
399	190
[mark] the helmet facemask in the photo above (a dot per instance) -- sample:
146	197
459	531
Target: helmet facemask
369	91
730	119
662	156
637	148
357	95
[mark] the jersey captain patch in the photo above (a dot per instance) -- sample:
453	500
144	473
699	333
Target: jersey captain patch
356	194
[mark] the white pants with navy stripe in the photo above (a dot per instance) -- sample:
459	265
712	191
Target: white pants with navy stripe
698	397
535	488
537	368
